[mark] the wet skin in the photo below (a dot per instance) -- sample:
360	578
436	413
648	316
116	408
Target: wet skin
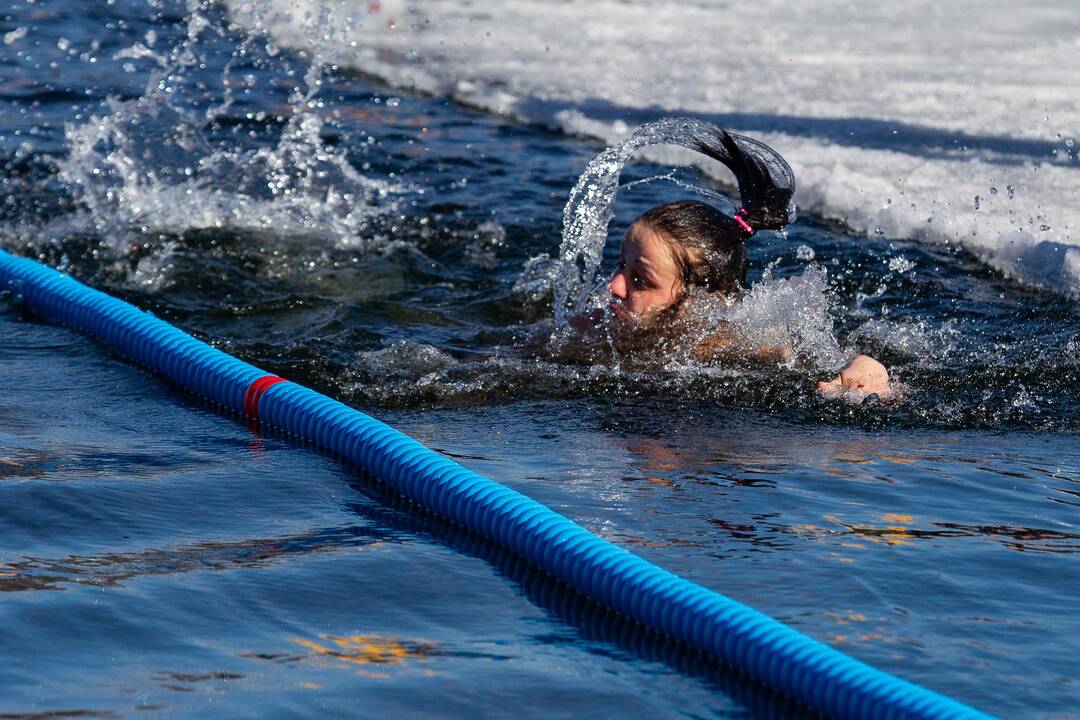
864	374
647	280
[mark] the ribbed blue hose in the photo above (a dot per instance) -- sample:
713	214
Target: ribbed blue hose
811	672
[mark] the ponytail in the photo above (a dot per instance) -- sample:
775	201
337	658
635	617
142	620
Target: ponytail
766	182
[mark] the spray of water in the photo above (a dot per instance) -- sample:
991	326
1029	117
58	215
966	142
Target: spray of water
171	159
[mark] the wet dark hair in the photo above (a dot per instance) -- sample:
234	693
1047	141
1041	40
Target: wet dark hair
706	244
709	246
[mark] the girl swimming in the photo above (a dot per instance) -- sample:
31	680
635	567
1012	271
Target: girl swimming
674	252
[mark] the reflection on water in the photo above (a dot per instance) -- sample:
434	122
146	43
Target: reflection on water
897	529
51	714
581	619
365	650
873	542
193	682
74	459
118	568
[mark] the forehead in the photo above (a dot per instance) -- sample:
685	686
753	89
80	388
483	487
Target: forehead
645	245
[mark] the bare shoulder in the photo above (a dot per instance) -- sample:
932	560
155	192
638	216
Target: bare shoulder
726	345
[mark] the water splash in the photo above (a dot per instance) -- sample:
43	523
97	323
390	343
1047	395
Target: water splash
905	165
790	313
173	160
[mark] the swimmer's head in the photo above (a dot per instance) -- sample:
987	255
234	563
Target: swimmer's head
673	248
688	244
708	246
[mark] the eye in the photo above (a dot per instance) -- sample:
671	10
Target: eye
639	282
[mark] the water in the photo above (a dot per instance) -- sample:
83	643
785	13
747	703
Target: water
394	249
895	117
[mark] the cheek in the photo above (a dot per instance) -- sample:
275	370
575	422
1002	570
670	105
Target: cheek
672	294
654	298
666	293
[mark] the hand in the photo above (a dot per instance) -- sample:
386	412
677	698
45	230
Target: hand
863	375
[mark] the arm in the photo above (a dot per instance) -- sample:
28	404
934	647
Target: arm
725	345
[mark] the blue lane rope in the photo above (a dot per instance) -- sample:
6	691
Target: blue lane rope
783	658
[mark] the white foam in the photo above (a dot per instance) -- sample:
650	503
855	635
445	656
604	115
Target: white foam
916	340
895	116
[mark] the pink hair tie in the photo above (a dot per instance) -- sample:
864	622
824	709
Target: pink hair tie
742	221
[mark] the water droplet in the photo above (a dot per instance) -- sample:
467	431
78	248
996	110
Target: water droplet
976	202
993	191
15	35
901	264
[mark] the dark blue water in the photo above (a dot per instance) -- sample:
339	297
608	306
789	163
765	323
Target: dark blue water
158	556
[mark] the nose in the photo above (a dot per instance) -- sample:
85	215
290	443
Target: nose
617	286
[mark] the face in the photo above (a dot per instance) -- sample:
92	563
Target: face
648	280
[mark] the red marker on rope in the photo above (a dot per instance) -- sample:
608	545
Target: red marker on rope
255	392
